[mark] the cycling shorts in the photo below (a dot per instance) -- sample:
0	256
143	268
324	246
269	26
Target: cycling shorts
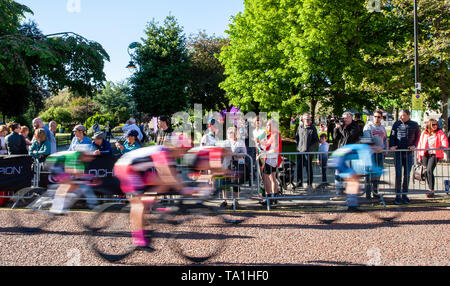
134	182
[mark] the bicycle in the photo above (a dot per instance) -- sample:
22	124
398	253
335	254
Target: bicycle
337	211
34	204
194	227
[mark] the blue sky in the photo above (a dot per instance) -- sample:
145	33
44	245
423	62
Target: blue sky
117	23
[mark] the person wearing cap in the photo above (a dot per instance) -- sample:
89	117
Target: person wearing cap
101	146
79	138
132	142
131	125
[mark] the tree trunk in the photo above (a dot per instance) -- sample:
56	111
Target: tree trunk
313	108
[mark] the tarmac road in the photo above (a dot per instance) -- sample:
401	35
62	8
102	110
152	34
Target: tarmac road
419	237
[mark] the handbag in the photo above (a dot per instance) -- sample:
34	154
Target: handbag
419	173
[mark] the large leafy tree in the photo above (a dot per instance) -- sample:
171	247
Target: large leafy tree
206	72
395	79
290	55
159	86
32	64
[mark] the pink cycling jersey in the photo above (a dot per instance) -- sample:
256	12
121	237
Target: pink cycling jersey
136	170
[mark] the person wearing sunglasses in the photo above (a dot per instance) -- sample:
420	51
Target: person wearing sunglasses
376	131
431	138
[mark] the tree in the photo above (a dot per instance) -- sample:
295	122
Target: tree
116	99
206	72
159	86
33	64
285	54
396	65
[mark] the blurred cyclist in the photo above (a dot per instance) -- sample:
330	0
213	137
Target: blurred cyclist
150	169
68	171
353	161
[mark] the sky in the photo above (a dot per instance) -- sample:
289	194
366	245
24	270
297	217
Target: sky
117	23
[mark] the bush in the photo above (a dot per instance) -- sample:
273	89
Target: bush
58	114
100	118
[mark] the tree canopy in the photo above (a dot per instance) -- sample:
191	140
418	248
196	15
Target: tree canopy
32	64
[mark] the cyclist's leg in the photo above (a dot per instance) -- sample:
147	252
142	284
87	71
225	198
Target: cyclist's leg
60	200
352	190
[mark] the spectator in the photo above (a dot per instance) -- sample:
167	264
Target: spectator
360	123
164	130
15	143
108	131
405	134
236	164
100	145
377	132
346	132
41	146
431	138
132	142
37	123
323	156
330	127
96	127
79	138
24	131
307	141
271	162
209	139
131	125
3	133
52	126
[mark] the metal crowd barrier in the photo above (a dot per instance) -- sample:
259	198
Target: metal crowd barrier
249	186
291	160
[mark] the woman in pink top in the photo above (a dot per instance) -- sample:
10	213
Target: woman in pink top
431	138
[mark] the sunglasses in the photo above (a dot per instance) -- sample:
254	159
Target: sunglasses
377	116
434	124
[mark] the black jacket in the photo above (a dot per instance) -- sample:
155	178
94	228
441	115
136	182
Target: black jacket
404	135
307	138
347	135
16	144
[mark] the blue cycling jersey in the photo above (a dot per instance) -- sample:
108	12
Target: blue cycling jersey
354	159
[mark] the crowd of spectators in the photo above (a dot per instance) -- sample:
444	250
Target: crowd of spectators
256	137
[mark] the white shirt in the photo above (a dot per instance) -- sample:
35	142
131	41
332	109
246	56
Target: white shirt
3	150
208	140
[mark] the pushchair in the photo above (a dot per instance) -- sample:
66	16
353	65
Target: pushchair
285	174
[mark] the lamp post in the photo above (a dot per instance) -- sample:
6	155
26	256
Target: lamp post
417	85
131	65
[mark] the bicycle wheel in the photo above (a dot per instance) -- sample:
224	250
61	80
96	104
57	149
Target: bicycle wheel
110	233
197	232
32	206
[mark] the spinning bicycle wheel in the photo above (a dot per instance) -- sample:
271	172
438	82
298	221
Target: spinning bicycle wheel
110	233
32	207
198	232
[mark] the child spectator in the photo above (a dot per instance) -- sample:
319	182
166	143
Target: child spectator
323	158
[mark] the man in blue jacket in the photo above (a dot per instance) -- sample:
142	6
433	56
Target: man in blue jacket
405	134
101	146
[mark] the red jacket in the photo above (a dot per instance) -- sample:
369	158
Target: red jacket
441	142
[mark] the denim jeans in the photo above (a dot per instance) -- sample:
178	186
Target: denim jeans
402	160
305	160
